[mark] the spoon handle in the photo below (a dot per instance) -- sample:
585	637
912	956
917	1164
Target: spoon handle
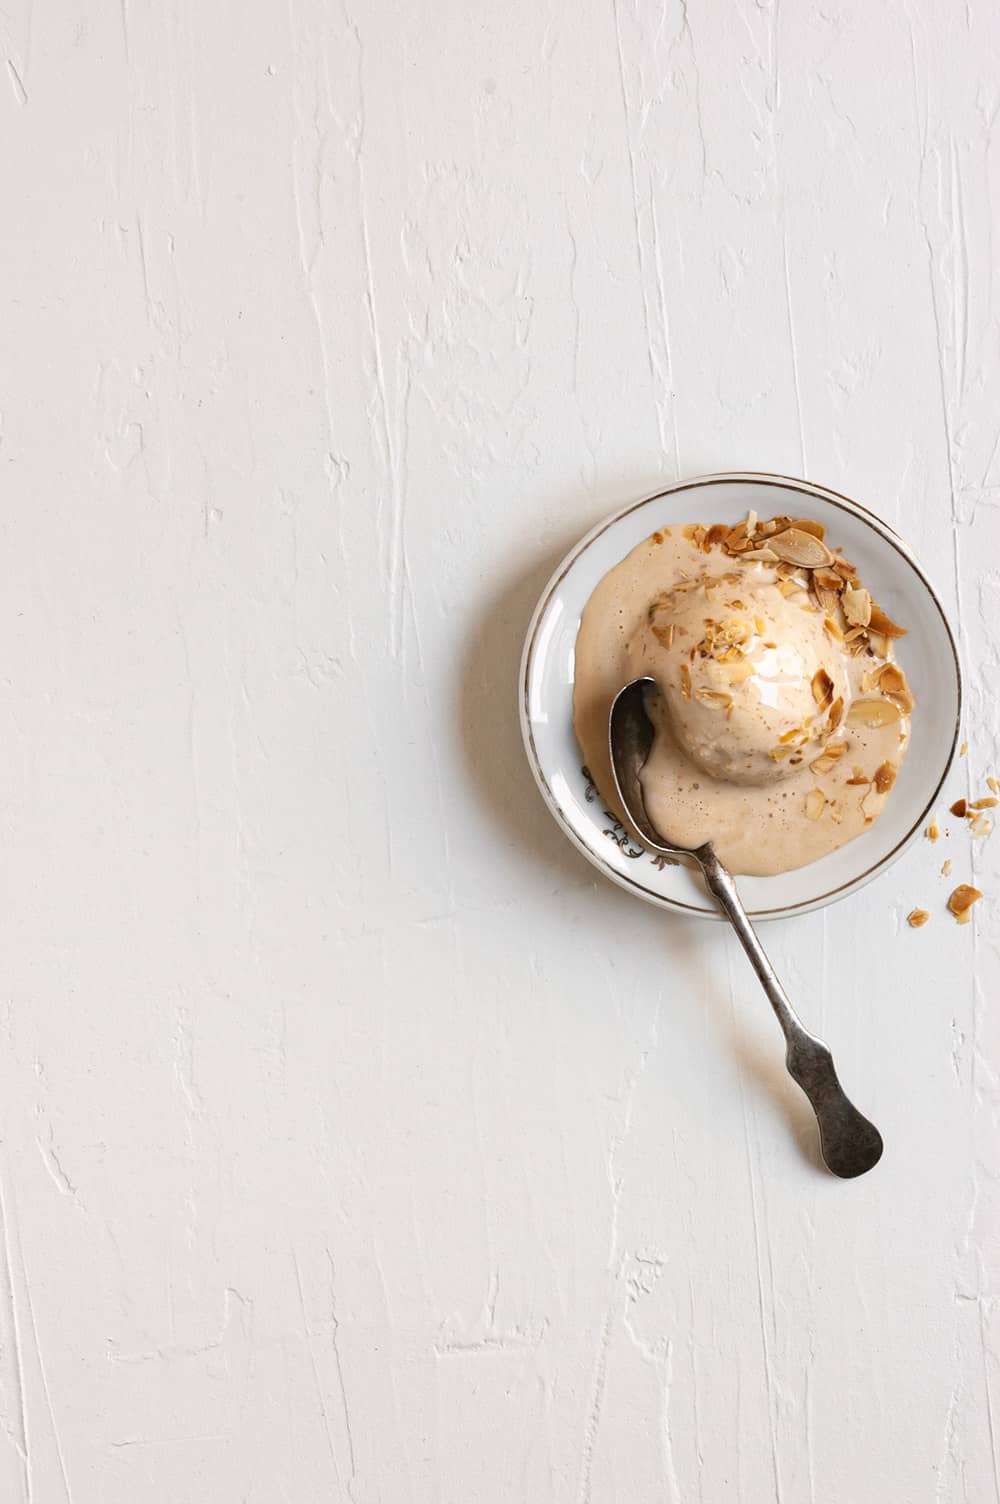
849	1143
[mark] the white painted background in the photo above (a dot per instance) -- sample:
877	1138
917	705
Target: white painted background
358	1142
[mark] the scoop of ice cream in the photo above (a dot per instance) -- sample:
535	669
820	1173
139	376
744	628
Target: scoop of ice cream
752	682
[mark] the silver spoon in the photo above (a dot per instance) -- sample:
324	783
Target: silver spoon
849	1143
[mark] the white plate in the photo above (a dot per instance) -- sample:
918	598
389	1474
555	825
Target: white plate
927	654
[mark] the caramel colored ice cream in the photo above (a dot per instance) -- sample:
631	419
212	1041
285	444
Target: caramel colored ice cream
781	716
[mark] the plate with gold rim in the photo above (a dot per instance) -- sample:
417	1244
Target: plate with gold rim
927	654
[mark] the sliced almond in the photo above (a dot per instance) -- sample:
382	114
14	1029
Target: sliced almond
879	622
946	867
992	784
717	533
885	776
828	601
835	812
960	808
685	681
794	546
984	803
877	642
788	588
778	754
716	698
871	804
892	682
853	633
872	713
857	605
815	804
738	672
822	688
832	629
836	713
932	832
827	579
844	569
809	525
963	749
759	556
961	901
917	918
829	757
980	827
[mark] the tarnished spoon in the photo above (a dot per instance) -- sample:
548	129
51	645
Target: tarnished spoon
849	1143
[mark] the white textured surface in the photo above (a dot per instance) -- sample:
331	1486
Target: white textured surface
358	1143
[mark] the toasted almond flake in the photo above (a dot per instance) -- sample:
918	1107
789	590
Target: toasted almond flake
778	754
685	681
788	588
759	556
857	605
827	579
878	644
772	645
963	749
657	537
832	629
836	713
738	672
815	804
822	688
961	901
845	570
984	803
829	757
892	682
960	808
991	783
751	522
717	533
885	776
932	832
980	827
879	622
872	713
835	811
716	698
854	634
828	601
916	918
810	525
869	681
760	625
793	546
871	804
